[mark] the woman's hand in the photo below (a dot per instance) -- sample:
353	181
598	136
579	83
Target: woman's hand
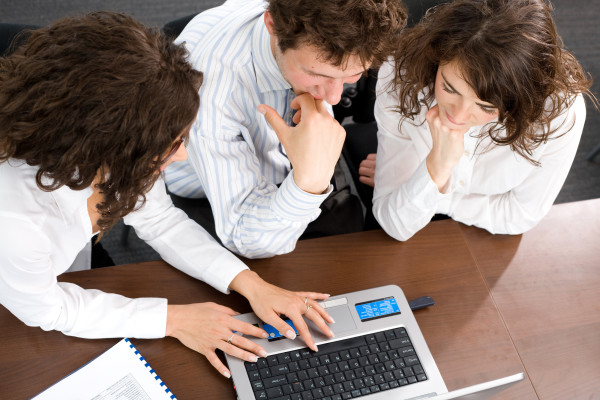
448	147
269	302
205	327
366	170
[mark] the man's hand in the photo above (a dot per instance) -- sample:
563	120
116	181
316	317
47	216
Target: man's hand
313	146
366	170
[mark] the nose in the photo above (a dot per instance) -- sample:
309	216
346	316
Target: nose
332	91
461	112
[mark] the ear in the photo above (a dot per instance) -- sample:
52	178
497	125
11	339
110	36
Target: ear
269	23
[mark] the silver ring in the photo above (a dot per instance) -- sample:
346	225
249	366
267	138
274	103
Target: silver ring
231	338
308	307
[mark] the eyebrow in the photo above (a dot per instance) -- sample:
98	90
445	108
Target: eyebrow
489	105
327	76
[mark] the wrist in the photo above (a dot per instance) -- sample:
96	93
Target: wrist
440	175
310	187
246	283
173	315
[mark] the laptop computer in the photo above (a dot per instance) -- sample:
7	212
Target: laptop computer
378	353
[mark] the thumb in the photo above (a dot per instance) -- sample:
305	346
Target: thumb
276	122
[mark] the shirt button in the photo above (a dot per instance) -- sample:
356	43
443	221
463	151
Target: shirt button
461	183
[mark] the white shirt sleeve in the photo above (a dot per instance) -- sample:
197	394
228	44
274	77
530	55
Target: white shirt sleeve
29	290
182	242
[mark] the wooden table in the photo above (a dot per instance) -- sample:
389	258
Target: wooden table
504	304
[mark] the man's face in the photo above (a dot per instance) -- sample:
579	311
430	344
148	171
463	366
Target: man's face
307	73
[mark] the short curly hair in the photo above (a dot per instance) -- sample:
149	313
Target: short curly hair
367	29
98	93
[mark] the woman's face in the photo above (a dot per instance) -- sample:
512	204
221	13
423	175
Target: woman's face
178	152
460	109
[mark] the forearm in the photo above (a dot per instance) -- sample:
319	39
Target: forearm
408	207
268	224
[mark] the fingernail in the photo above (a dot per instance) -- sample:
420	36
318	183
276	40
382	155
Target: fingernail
261	110
252	358
315	348
290	335
332	320
331	334
262	353
226	374
265	335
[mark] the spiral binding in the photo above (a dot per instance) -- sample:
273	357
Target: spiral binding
151	371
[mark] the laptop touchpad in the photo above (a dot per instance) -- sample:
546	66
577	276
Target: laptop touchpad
343	319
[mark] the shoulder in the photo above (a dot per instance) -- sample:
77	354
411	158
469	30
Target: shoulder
220	34
22	243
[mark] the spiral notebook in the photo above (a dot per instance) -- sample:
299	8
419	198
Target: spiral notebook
121	372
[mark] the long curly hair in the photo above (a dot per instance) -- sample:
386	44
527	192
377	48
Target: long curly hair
96	94
510	54
367	29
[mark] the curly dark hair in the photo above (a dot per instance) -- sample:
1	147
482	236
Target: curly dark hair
367	29
510	54
96	94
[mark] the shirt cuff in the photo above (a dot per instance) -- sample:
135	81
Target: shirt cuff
423	190
292	203
149	320
223	270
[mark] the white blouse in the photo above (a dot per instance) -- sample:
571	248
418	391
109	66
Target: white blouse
41	234
491	187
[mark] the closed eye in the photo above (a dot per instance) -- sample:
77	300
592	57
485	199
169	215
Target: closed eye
488	109
448	89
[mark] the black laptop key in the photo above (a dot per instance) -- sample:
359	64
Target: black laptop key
411	360
406	351
279	370
287	389
274	392
262	395
344	344
253	375
275	381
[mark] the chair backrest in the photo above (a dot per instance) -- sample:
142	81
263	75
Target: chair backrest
10	32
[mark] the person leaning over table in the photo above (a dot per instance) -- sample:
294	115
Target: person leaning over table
268	183
92	109
479	116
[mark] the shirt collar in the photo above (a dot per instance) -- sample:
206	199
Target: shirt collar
268	75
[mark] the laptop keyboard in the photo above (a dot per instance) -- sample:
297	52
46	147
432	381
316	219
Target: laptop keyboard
345	369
